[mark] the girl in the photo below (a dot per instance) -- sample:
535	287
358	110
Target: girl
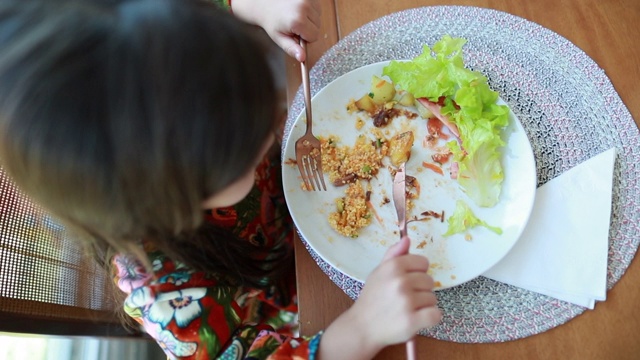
129	119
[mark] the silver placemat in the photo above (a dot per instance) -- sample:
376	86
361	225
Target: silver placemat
570	112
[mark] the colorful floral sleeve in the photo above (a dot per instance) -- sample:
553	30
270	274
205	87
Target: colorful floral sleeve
191	316
225	4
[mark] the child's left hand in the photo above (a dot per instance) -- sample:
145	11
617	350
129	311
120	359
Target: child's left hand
284	20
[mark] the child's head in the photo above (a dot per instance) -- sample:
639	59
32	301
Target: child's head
123	117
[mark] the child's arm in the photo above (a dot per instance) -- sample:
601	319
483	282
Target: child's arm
396	302
284	20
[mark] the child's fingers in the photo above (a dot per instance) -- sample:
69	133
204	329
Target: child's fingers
289	42
420	281
305	29
290	46
401	265
399	248
426	317
423	300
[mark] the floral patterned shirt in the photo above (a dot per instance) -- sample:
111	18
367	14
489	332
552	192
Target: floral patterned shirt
225	4
192	316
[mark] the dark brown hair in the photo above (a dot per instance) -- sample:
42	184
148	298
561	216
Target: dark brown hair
121	117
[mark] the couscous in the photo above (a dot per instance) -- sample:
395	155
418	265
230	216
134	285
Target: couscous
352	212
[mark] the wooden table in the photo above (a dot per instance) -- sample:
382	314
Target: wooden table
609	32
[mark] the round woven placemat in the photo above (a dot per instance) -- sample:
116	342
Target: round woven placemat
570	112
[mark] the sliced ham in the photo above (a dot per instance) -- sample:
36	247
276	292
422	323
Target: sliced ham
435	109
453	170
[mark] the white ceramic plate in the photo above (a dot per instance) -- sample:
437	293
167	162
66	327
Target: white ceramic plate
454	259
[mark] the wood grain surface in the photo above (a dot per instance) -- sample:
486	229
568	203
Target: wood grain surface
609	32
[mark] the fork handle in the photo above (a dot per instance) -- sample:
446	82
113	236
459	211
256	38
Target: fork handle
411	349
305	86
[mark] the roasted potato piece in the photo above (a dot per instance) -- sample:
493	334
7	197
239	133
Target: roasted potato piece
366	103
407	99
382	90
423	111
400	148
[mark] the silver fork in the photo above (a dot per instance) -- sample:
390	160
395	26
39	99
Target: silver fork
308	147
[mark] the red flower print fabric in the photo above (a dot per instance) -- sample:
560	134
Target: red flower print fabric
193	316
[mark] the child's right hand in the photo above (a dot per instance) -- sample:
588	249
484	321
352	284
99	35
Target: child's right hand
395	303
398	298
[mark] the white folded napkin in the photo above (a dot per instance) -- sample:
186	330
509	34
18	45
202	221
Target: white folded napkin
563	250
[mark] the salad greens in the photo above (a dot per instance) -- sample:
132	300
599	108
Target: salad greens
466	100
463	218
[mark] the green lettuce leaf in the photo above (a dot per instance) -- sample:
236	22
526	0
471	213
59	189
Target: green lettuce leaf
432	75
463	219
470	104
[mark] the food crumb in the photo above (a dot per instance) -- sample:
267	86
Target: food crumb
437	284
351	106
467	237
421	245
291	162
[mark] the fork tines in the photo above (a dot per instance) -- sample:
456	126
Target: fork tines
310	167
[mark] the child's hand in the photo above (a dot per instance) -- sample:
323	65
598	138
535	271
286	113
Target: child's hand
283	20
398	298
395	303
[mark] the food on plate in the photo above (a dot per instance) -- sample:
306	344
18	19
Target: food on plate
434	108
384	116
380	103
464	126
463	219
365	103
352	212
406	99
423	111
381	90
435	133
433	214
442	156
346	164
462	100
433	167
400	148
